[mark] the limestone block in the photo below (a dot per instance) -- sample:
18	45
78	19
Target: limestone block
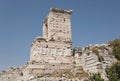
37	71
36	66
55	61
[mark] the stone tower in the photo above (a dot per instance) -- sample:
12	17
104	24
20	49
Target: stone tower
52	51
56	39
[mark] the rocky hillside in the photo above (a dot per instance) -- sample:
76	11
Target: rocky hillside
88	60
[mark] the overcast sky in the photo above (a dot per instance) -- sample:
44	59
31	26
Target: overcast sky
93	22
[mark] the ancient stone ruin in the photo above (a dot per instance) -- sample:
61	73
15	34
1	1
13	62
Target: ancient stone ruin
52	57
52	52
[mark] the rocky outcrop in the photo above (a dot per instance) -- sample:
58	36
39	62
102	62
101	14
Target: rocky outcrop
11	74
96	58
87	60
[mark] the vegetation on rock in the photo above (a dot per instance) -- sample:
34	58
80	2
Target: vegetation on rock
95	77
113	72
115	44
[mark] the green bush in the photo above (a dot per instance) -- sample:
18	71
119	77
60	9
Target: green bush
95	77
115	44
113	72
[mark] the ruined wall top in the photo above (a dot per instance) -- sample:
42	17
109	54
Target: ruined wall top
57	25
61	10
